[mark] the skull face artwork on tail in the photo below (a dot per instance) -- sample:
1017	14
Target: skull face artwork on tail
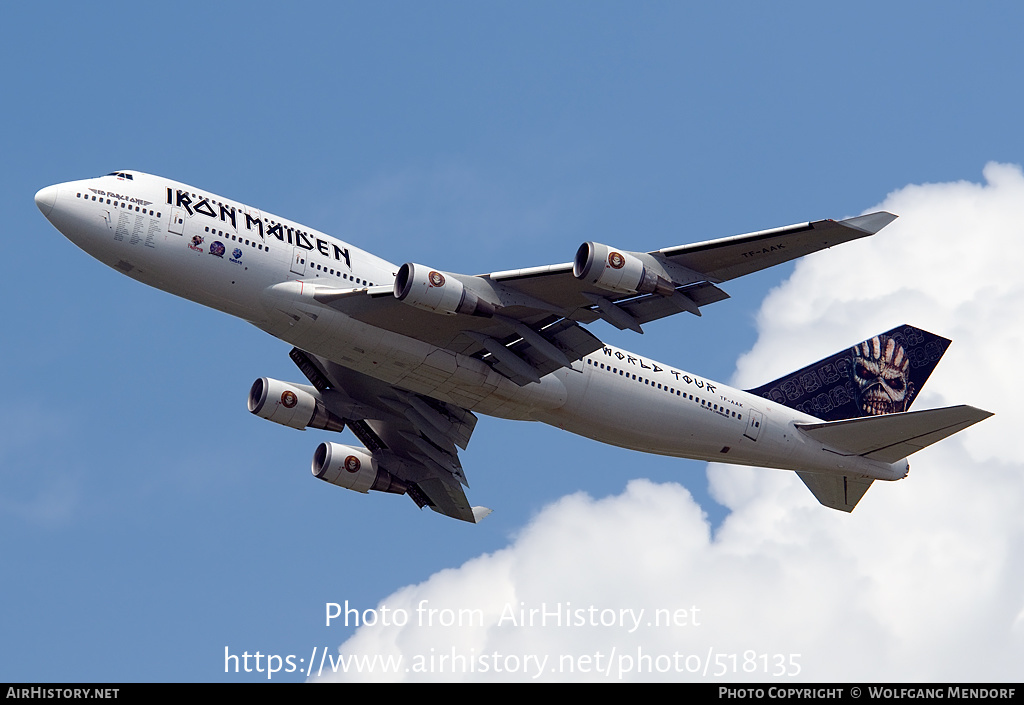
881	373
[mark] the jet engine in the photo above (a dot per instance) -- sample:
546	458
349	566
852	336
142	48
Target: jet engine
618	271
433	291
354	469
294	405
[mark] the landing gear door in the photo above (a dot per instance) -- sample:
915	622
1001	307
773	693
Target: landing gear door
754	421
298	260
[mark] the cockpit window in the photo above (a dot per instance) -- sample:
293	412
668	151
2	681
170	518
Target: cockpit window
122	174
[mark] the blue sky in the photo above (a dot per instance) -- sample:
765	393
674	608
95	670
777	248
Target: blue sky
147	521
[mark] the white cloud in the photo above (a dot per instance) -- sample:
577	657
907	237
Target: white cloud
923	582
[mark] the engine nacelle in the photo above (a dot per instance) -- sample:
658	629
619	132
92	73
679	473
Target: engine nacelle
433	291
293	405
618	271
354	469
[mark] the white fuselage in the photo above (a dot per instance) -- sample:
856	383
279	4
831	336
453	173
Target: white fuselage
262	268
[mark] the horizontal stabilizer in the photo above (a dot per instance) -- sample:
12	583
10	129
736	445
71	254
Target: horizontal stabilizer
892	437
836	491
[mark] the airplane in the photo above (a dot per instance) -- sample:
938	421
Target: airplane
407	356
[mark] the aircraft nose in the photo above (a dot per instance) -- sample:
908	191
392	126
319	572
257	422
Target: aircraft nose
45	198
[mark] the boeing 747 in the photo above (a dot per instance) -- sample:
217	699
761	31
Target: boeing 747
406	356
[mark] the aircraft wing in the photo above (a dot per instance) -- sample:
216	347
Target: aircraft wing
415	438
528	322
709	263
733	257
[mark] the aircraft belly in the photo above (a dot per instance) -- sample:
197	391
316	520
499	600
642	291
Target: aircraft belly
613	410
678	418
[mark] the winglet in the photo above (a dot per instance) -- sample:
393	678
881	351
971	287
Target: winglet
870	223
480	513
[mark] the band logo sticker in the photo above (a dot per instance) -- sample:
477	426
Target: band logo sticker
352	463
436	278
196	244
616	260
288	399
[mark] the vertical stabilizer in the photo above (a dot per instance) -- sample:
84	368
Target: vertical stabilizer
881	375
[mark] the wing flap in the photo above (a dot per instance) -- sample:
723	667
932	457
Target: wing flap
529	354
447	498
574	341
892	437
651	307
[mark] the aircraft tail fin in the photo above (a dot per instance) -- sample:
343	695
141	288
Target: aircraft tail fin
893	437
881	375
